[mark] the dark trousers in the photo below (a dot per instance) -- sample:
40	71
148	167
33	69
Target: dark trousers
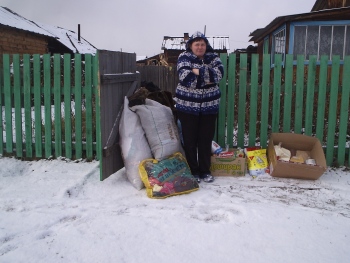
198	132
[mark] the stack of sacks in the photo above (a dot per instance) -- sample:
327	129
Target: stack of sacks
147	131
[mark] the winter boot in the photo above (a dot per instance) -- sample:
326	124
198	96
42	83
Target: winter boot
208	178
198	180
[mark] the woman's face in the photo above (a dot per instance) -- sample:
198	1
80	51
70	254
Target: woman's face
198	47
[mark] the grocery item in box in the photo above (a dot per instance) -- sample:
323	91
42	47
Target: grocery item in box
226	154
257	162
297	159
303	154
283	154
231	154
215	148
229	163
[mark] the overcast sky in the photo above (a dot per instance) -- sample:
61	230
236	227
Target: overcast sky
138	26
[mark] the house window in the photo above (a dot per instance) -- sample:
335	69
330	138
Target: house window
323	39
279	43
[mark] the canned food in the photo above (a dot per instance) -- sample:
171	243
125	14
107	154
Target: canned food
310	161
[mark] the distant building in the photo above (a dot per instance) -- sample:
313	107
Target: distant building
156	60
173	46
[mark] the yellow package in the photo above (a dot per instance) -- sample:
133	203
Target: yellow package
257	162
168	177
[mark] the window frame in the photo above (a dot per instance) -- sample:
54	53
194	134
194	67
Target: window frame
332	23
282	28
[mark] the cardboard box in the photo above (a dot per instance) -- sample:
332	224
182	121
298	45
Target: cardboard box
294	142
228	166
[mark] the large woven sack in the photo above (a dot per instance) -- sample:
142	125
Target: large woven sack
133	144
161	130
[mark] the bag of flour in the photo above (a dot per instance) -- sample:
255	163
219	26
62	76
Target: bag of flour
133	143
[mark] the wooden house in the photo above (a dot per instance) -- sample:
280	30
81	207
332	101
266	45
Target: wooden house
325	30
19	35
328	4
174	46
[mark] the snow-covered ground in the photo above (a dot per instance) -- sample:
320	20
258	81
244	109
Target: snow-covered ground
59	211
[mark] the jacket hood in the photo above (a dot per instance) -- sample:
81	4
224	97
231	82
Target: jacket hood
198	35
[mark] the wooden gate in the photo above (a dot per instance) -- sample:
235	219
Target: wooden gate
118	78
164	77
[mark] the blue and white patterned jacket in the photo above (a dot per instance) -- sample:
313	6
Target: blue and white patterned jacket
198	93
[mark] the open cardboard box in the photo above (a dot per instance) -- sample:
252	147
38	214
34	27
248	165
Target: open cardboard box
293	142
228	166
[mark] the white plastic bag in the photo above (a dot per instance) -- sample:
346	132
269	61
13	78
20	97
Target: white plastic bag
133	144
283	154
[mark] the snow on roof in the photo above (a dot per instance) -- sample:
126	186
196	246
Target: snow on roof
138	58
70	39
178	43
66	37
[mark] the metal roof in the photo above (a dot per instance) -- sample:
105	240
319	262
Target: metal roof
179	43
66	37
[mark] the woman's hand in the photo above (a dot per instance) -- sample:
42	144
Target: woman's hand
195	71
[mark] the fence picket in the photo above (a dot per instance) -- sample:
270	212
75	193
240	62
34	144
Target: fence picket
253	99
299	93
8	104
265	92
231	94
287	94
37	105
57	104
332	109
18	104
276	99
88	101
67	106
78	110
321	105
242	99
310	93
27	105
47	105
344	113
95	81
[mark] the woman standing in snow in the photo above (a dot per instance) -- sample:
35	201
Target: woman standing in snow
197	102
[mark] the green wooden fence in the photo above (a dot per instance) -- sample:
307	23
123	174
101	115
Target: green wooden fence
310	98
48	106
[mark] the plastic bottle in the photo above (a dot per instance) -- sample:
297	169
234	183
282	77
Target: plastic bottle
215	148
